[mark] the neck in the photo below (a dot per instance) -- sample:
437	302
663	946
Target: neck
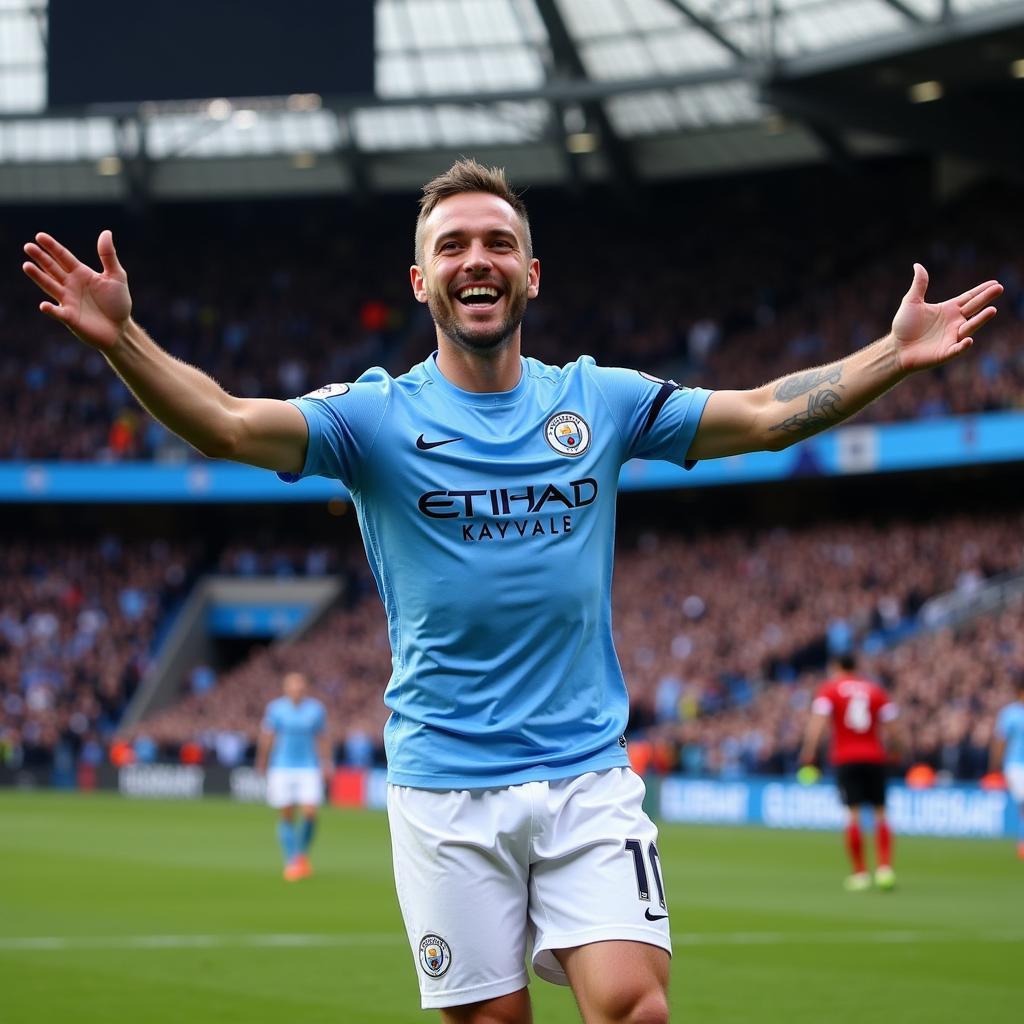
489	372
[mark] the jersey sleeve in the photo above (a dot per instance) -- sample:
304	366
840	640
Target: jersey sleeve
657	418
886	709
342	420
822	704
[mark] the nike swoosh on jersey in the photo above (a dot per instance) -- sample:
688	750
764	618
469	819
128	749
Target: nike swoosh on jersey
654	917
425	446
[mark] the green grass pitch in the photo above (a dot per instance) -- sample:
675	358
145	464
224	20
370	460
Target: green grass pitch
113	910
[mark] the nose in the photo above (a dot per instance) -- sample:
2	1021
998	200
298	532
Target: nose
477	257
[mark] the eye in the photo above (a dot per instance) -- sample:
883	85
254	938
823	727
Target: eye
450	246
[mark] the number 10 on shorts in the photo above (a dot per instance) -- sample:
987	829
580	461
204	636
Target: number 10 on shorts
635	847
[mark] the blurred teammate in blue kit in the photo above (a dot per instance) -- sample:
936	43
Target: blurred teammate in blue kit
1007	755
485	484
294	752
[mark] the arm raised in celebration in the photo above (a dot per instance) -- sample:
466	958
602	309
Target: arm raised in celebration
787	410
97	307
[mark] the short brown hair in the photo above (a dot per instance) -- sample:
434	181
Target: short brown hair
467	175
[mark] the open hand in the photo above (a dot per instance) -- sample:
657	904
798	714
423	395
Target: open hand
94	307
930	333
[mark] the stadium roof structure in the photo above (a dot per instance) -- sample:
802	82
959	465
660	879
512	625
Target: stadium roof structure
567	92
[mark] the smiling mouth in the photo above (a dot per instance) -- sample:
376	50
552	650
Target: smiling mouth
479	296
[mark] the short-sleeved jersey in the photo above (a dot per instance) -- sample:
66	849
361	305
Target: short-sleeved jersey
856	707
295	728
488	520
1010	729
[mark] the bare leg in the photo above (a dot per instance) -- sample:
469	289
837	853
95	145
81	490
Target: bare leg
618	982
511	1009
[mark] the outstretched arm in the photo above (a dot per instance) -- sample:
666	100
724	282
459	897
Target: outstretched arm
816	726
778	414
263	745
96	307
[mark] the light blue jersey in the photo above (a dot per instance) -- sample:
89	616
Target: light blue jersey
1010	729
295	728
489	521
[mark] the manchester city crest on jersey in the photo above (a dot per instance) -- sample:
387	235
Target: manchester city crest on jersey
329	391
567	433
435	956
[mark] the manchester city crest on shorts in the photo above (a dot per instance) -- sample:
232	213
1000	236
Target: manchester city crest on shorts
435	956
567	433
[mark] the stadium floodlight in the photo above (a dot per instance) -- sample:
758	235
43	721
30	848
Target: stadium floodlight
1017	68
219	109
304	101
108	166
925	92
581	142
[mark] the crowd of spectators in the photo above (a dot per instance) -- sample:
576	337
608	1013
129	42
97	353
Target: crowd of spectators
722	636
948	685
282	561
348	660
729	290
77	625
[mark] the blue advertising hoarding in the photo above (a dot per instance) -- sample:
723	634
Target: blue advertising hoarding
899	447
964	811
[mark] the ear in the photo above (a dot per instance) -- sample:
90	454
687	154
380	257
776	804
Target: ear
418	282
533	279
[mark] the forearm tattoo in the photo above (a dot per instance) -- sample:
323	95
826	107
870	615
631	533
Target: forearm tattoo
793	387
821	412
823	407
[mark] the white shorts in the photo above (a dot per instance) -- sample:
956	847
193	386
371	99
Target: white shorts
289	786
1014	775
485	876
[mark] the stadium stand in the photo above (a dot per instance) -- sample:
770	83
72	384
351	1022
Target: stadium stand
722	635
77	625
324	296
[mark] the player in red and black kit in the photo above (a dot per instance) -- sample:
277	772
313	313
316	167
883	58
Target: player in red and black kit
859	712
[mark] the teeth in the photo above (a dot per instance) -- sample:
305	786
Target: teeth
491	293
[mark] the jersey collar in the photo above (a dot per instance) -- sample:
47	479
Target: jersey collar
488	399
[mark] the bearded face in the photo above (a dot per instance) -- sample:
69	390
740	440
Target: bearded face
473	323
474	273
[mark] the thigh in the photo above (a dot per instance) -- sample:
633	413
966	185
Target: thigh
309	787
461	876
1014	775
874	784
850	782
279	788
511	1009
861	783
596	875
614	980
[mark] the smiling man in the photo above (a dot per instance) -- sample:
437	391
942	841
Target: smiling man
485	483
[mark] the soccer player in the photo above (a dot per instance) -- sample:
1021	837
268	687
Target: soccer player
859	712
485	484
293	740
1007	753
